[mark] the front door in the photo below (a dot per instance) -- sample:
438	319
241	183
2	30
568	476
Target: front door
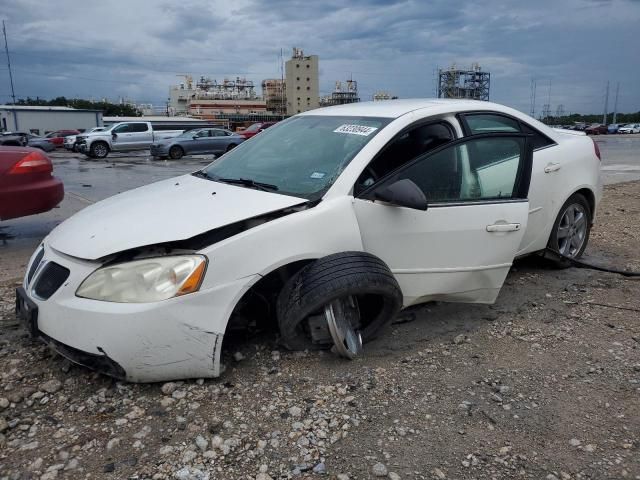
462	246
122	137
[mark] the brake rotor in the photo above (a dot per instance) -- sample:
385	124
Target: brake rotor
343	315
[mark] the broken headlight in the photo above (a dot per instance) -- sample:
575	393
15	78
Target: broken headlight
147	280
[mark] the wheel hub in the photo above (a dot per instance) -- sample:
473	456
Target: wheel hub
572	230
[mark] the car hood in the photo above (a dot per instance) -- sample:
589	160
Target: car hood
174	209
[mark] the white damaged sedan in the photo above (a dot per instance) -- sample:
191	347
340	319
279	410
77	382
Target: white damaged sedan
327	223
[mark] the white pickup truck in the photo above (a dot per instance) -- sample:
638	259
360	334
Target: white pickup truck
124	136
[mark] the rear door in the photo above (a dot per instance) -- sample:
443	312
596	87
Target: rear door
462	246
546	174
141	135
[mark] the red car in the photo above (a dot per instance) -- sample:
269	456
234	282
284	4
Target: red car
596	129
27	185
255	129
57	137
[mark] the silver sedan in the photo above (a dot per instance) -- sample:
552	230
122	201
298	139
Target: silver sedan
199	141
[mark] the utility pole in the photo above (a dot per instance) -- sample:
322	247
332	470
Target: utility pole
606	105
283	104
6	48
615	104
532	110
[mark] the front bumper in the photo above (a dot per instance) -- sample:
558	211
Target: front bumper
158	150
145	342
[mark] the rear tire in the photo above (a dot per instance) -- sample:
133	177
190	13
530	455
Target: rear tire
99	150
231	147
570	232
358	275
176	152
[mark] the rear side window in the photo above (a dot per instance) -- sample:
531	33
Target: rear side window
476	123
139	127
539	140
491	124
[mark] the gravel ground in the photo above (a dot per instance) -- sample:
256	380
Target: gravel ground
545	384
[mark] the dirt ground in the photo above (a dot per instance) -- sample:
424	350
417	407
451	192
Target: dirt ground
545	384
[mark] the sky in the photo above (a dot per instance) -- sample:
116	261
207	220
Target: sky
137	48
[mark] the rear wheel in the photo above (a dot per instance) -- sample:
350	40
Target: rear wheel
343	299
231	146
176	152
570	233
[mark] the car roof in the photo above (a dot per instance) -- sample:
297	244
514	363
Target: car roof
429	106
397	108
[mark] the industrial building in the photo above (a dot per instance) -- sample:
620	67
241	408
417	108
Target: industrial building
383	95
273	92
342	94
209	99
41	120
302	82
471	83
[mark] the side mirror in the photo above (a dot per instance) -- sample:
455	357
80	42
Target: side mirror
403	193
114	135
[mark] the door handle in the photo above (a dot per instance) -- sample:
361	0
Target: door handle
503	227
552	167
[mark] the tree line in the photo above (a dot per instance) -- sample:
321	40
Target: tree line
593	118
108	109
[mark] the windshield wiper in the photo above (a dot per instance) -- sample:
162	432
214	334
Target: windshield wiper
247	182
202	174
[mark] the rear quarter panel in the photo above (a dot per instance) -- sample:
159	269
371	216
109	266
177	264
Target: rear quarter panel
580	170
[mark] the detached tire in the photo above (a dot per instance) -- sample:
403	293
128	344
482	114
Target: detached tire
359	275
570	232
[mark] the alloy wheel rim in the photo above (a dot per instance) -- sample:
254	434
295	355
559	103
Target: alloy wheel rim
342	314
572	230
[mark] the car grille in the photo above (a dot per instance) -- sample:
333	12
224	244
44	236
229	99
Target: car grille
50	280
34	265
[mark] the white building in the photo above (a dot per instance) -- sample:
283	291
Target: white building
43	119
302	82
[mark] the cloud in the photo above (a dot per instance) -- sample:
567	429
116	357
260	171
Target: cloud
136	49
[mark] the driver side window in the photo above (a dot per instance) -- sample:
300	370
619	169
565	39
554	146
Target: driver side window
121	128
401	150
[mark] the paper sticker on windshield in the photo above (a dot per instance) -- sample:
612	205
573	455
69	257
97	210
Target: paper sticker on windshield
318	175
355	130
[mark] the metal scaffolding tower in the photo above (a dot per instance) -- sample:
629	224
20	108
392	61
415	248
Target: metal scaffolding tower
347	93
470	83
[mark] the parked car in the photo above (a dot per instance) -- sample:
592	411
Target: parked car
30	140
37	141
12	139
333	220
70	141
57	137
199	141
27	186
596	129
630	128
255	128
613	128
124	136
